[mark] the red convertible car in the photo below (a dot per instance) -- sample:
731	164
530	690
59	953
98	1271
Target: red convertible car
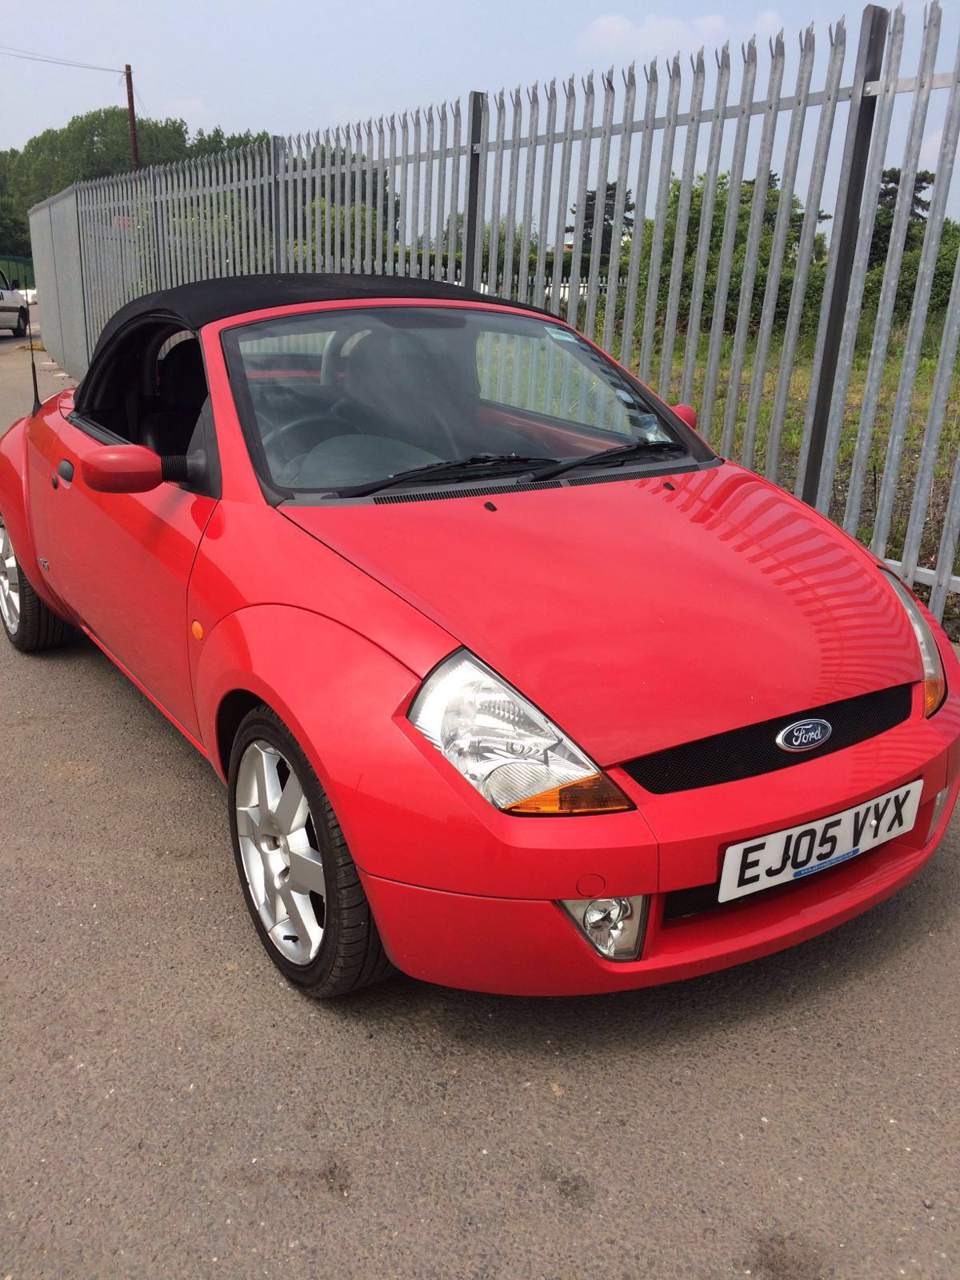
514	684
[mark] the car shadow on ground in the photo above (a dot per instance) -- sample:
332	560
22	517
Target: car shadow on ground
645	1018
688	1010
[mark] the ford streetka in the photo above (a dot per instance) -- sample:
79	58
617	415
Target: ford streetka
515	685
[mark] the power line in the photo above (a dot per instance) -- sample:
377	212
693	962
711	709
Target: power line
27	55
10	51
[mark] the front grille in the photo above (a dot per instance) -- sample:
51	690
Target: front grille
691	902
743	753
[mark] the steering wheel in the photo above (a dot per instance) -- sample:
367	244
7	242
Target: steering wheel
277	435
331	369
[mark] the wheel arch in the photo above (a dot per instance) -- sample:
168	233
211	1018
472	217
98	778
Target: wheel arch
334	689
233	709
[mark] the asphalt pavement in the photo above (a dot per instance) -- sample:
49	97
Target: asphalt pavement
169	1108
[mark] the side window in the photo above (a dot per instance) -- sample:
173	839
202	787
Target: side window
169	418
4	282
549	375
177	422
153	392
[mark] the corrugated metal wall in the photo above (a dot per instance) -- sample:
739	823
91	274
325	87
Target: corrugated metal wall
61	285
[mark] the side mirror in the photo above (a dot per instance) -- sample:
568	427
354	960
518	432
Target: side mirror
686	413
122	468
14	284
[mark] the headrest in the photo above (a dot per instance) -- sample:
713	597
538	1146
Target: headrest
182	381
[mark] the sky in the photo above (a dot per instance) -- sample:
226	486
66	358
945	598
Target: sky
308	64
313	64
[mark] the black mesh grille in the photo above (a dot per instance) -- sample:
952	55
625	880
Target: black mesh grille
743	753
691	902
679	903
672	469
479	491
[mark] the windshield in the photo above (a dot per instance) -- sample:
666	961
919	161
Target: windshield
345	399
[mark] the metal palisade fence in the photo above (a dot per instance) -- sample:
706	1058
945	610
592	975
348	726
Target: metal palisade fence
676	218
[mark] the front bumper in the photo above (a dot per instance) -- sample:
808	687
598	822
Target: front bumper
498	942
525	947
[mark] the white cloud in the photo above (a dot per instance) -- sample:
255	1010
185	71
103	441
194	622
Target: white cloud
767	23
620	38
930	151
188	108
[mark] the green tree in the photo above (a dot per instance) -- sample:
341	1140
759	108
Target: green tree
589	213
517	269
93	145
212	143
886	207
767	226
14	232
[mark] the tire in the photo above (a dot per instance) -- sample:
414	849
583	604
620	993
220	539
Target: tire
21	330
298	879
28	623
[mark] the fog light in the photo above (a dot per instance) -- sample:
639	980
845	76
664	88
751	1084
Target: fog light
613	926
938	804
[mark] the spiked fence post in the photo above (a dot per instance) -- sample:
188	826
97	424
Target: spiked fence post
856	150
276	160
473	211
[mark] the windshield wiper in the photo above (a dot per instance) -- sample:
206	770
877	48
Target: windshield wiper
452	469
620	453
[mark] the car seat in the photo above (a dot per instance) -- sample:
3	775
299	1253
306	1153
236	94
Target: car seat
181	391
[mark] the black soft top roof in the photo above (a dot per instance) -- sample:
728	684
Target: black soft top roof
194	305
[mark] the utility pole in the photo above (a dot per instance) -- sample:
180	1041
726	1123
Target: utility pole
132	117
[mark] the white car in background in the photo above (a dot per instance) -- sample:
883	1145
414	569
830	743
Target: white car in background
14	313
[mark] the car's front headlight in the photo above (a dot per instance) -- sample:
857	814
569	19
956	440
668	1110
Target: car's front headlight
514	756
934	681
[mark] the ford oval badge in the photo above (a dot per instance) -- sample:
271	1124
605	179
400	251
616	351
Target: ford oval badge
804	735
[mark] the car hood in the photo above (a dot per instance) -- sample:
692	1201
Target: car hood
644	612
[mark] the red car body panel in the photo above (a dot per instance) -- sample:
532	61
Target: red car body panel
282	565
488	944
116	548
607	633
13	499
637	614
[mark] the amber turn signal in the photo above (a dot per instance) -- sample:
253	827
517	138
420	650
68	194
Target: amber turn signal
934	691
593	794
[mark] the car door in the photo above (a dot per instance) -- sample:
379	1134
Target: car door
120	561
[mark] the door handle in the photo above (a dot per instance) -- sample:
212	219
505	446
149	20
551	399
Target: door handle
65	470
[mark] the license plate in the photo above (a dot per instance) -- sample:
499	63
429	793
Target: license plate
765	861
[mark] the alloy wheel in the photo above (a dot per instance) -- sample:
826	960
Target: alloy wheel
9	583
278	849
